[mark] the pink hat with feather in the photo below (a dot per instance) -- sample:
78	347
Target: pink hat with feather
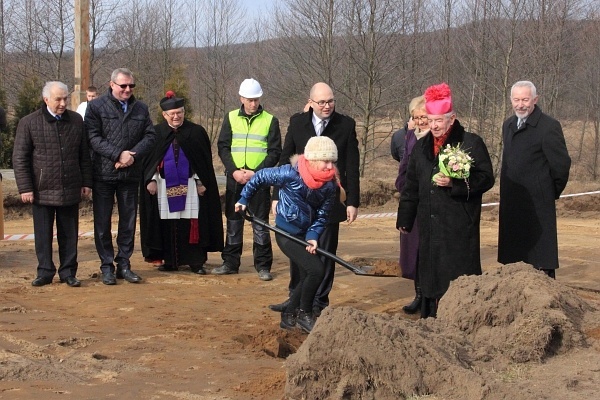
438	99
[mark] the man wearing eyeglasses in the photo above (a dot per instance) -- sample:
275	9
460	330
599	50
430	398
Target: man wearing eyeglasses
322	119
121	133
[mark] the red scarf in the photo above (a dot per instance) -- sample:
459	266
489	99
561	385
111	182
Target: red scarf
438	142
313	178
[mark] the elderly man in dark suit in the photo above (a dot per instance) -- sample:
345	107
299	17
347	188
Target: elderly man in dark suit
535	171
322	119
53	171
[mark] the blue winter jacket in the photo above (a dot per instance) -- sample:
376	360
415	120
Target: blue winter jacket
300	210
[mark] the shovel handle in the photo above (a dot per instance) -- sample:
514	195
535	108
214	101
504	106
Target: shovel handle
356	270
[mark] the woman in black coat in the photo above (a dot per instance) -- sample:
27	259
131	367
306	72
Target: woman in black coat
448	209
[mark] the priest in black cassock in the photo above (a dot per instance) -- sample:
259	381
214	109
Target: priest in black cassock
180	207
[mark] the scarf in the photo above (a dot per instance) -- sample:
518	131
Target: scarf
439	142
313	178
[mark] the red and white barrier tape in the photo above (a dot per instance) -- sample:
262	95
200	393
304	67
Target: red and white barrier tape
30	236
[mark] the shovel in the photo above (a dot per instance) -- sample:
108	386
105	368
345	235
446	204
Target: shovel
362	271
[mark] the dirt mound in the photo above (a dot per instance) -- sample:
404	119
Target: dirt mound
516	305
512	315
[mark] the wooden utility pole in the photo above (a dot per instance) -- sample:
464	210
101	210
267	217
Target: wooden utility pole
82	52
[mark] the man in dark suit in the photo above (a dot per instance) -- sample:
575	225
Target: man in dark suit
53	171
535	170
322	119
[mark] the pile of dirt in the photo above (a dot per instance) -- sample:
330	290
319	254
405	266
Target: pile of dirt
485	323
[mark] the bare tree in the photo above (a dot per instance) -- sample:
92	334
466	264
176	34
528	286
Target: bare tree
217	59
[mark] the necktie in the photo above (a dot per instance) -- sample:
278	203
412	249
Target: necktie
124	106
58	117
322	128
519	123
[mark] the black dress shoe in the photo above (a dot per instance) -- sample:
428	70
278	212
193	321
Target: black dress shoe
108	278
130	276
71	281
288	321
305	321
198	269
279	307
42	280
167	267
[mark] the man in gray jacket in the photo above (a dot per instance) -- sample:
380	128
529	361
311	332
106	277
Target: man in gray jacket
121	133
53	171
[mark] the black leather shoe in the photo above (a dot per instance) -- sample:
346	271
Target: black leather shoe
316	311
108	278
130	276
198	269
288	321
224	270
305	321
41	281
279	307
167	267
71	281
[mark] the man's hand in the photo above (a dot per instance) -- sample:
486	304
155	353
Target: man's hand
27	197
312	246
242	176
125	159
201	189
274	207
351	214
442	180
152	187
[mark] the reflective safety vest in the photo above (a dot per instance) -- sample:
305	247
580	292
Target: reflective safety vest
249	141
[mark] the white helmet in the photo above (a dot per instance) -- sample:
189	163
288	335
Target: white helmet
250	89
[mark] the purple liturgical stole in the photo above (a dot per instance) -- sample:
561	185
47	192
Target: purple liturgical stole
176	177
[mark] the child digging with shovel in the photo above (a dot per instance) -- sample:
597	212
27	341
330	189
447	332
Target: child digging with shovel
307	193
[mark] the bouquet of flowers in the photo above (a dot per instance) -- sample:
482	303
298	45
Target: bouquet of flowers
455	162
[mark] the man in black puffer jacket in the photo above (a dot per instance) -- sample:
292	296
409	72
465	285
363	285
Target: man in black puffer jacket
51	161
121	133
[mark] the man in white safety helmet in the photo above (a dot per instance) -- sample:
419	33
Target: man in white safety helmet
250	140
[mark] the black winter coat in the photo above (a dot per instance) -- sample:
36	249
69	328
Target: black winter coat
194	142
448	217
111	132
51	158
535	170
342	130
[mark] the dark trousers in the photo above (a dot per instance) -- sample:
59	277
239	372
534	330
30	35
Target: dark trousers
67	225
310	273
260	207
127	202
328	241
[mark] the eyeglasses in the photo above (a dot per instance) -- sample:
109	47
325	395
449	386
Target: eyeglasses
174	114
321	103
124	86
421	118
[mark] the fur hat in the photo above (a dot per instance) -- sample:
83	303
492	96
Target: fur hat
170	102
438	99
320	148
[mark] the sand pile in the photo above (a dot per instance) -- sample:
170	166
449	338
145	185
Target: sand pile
511	315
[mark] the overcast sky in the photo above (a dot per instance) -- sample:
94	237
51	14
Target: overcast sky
259	6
